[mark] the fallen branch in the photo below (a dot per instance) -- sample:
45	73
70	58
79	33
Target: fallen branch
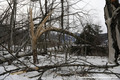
48	67
69	65
11	58
86	72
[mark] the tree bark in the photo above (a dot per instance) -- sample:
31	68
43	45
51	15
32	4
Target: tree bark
112	21
12	23
34	49
35	35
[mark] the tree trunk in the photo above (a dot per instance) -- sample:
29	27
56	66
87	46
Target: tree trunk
112	21
12	22
34	47
45	46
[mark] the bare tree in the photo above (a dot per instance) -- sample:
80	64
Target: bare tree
50	13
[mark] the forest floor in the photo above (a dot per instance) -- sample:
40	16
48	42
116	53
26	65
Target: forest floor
60	73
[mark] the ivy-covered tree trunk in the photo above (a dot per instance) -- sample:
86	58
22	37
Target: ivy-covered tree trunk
112	17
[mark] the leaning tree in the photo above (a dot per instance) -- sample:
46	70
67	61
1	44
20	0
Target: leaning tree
112	19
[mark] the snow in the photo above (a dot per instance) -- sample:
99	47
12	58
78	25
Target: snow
53	75
15	77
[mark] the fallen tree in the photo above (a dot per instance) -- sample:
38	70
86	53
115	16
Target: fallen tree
43	69
41	29
12	57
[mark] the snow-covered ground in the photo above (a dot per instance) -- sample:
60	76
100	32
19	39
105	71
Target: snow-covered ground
53	74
